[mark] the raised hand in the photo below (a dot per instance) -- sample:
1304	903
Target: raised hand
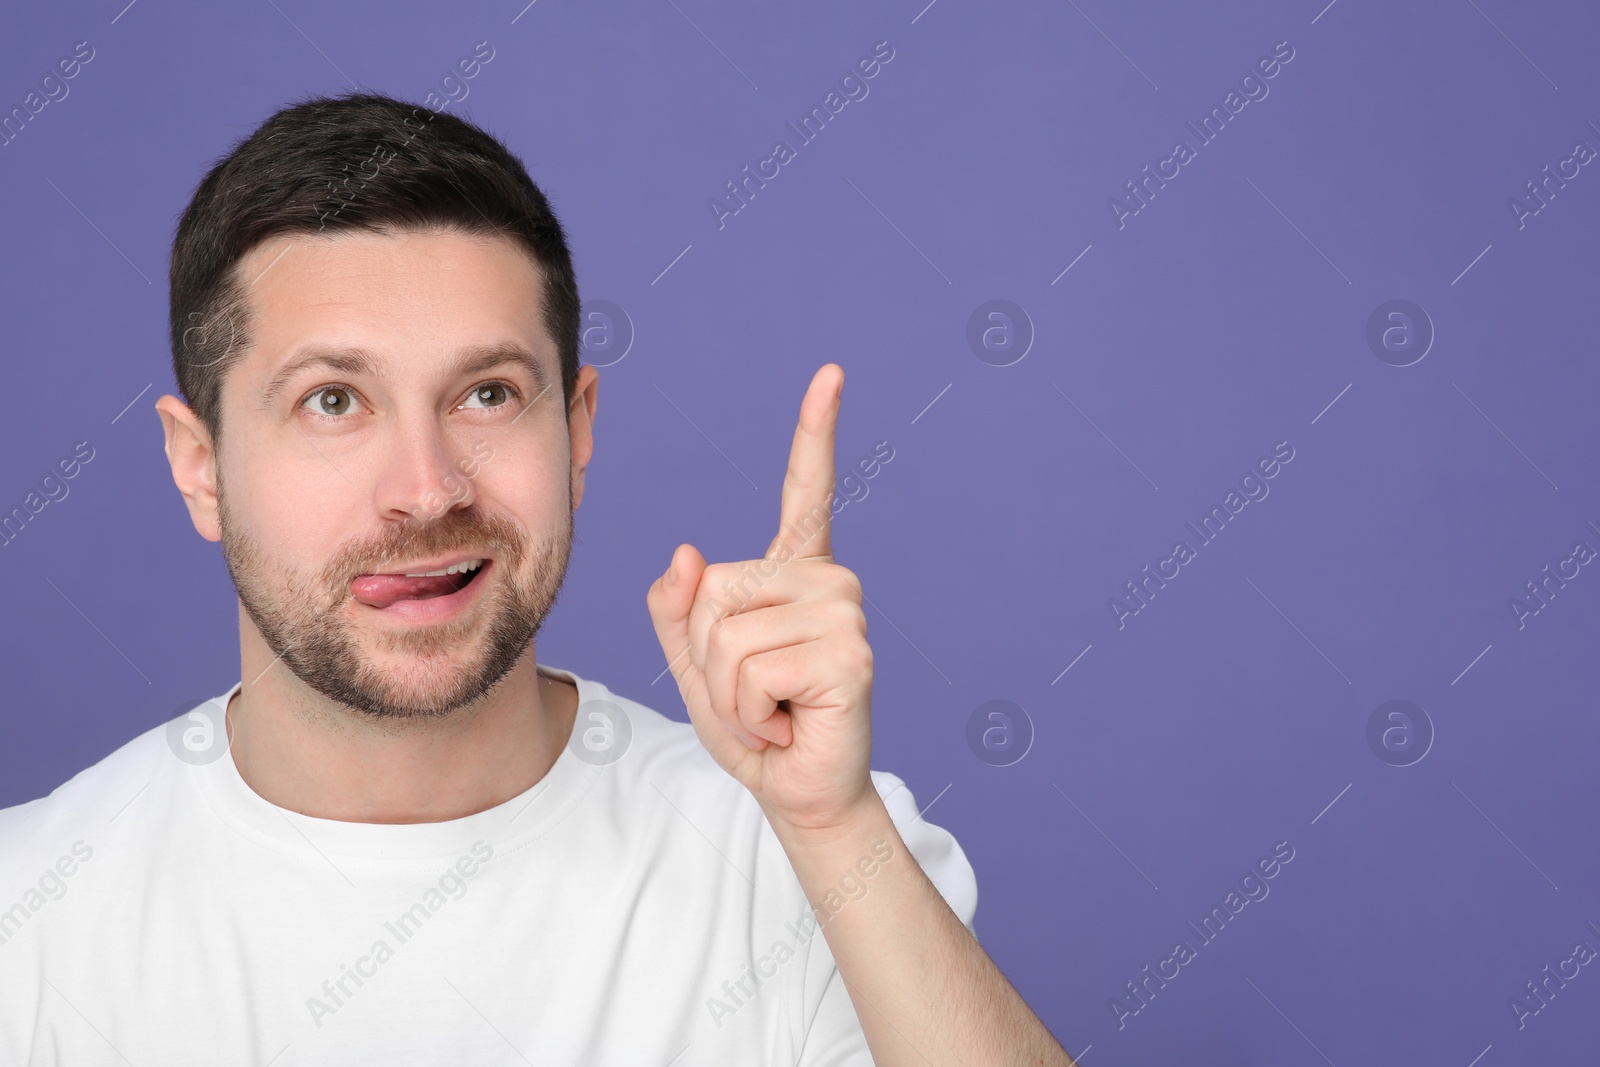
771	655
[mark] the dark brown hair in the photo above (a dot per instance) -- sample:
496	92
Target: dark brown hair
358	161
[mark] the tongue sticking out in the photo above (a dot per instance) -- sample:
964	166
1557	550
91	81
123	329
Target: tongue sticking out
381	590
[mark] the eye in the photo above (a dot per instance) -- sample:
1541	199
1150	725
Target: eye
331	400
489	395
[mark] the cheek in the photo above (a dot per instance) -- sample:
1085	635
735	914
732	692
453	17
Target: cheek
294	515
529	481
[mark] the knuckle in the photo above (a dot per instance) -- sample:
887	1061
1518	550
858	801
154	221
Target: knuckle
721	636
847	615
713	574
751	672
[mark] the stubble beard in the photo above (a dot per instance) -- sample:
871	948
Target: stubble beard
309	622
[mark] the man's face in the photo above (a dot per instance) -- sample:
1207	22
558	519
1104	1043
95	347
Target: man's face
342	481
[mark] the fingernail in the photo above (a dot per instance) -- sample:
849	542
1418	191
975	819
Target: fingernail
672	572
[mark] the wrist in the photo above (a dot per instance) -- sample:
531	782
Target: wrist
862	816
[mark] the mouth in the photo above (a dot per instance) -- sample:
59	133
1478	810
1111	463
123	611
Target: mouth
422	592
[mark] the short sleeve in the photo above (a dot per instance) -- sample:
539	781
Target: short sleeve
834	1037
935	849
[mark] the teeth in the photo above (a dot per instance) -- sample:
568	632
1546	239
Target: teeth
459	568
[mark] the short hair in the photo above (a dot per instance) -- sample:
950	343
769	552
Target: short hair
358	161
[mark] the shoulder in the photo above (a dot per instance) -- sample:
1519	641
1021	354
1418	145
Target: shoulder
643	752
83	810
665	764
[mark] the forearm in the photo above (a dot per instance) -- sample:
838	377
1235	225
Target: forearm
924	989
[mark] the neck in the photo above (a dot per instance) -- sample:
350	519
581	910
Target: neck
301	751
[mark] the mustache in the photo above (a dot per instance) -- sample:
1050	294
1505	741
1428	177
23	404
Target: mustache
499	536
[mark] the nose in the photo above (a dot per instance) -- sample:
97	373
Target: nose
422	474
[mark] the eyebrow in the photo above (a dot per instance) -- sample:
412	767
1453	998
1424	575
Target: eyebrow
351	360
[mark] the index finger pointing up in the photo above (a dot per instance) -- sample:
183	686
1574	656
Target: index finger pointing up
804	525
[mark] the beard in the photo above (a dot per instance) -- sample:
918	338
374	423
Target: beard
305	620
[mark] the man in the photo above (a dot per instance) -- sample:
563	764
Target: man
399	839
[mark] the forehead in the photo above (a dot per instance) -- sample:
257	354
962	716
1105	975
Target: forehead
412	297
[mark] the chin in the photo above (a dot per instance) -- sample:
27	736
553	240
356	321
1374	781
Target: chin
413	688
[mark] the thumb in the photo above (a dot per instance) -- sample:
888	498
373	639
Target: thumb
670	599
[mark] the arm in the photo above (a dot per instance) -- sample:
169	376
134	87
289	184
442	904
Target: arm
772	660
924	989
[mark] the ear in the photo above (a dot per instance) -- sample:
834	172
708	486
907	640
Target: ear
193	461
580	426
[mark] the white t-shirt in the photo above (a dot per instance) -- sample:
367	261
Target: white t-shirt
632	907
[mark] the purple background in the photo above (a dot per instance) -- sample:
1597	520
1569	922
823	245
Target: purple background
1221	319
